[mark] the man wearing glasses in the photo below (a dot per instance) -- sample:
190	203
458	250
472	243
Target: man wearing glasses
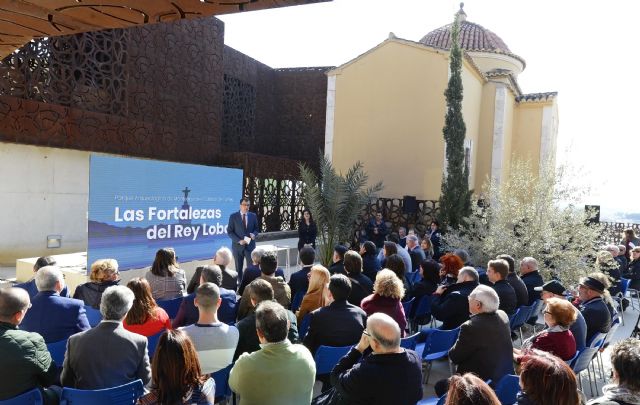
388	374
243	230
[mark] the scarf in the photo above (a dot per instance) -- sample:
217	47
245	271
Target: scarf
616	392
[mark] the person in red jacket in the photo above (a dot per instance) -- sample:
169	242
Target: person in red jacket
388	290
145	317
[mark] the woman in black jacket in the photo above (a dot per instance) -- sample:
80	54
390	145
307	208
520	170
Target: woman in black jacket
307	230
104	273
633	271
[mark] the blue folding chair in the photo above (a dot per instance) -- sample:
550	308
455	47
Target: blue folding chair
171	306
33	397
507	389
126	394
328	356
413	277
410	342
221	377
423	310
520	317
436	346
571	360
57	350
582	362
93	316
433	400
304	326
297	300
152	342
624	286
408	307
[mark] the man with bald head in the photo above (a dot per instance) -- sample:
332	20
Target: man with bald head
26	362
388	374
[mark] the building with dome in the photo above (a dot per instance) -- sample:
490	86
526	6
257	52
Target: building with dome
386	108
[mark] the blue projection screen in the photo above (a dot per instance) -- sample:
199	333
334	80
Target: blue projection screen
138	206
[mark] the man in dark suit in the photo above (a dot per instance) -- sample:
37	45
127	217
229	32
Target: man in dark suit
531	277
30	285
52	316
337	267
415	252
243	230
522	294
299	281
188	313
450	304
253	270
339	323
361	285
484	345
593	308
497	271
107	355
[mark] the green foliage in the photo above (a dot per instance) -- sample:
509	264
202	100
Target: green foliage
335	201
455	200
531	215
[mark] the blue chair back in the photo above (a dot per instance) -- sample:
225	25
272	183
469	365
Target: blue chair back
171	306
152	342
57	350
410	341
507	389
296	301
584	359
424	307
408	305
433	400
328	356
304	326
439	342
33	397
413	277
571	360
93	315
520	317
126	394
614	327
597	340
624	285
221	377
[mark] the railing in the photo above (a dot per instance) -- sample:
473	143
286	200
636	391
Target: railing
613	232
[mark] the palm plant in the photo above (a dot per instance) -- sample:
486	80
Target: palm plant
335	201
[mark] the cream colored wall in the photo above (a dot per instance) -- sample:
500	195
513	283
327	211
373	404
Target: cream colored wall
508	133
485	136
389	114
472	85
528	128
44	192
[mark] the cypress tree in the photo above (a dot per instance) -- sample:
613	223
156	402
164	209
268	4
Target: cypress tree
455	199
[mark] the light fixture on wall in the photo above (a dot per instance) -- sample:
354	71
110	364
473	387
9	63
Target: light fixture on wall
54	241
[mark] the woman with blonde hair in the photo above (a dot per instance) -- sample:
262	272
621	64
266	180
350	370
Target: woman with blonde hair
607	264
317	295
224	258
145	317
104	273
387	293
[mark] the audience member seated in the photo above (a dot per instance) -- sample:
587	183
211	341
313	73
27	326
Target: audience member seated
402	237
361	285
554	289
166	279
625	389
464	256
338	324
259	290
396	265
30	285
449	304
52	316
484	344
606	264
399	250
177	377
253	270
606	296
26	362
214	341
546	379
522	294
387	293
429	280
633	270
280	372
468	389
451	265
425	244
594	310
415	252
370	263
531	277
557	339
497	271
224	258
107	355
188	313
145	317
104	273
317	295
338	260
281	291
299	281
622	258
388	374
388	248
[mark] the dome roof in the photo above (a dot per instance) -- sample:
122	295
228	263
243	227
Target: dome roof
473	37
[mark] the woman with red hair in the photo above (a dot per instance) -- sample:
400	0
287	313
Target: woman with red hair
451	264
546	379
